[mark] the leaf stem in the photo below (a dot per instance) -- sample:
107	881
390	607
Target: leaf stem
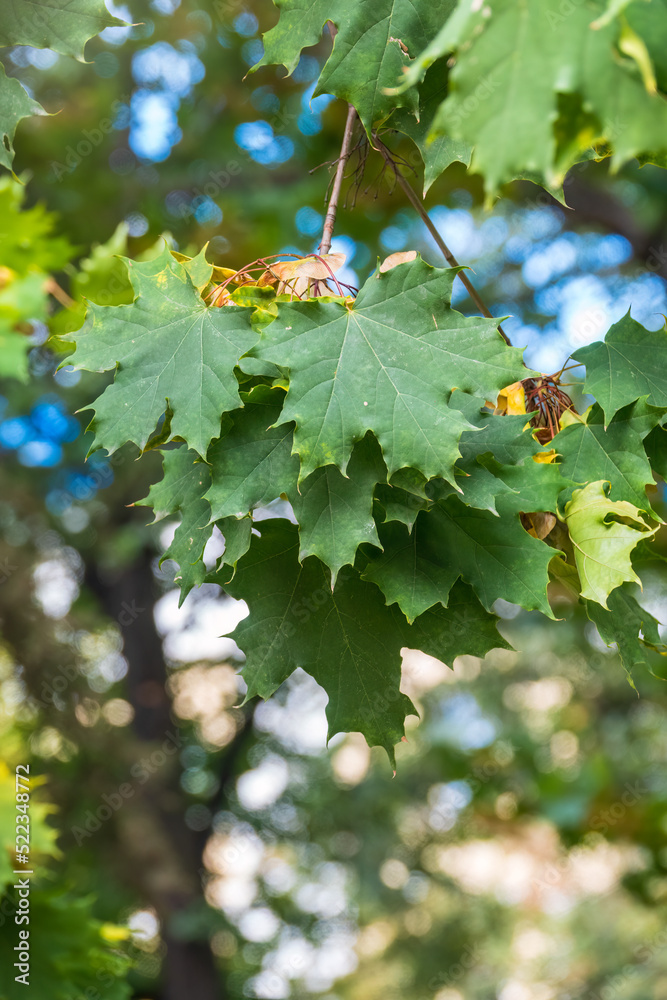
418	205
345	149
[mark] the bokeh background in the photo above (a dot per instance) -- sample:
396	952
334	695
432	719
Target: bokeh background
520	853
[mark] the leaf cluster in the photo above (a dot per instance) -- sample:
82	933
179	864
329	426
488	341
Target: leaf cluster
510	89
370	493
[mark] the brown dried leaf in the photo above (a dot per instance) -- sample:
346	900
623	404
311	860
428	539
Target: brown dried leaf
394	259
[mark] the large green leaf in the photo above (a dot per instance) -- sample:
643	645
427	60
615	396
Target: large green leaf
655	444
53	24
604	533
527	488
409	572
463	625
533	86
590	452
347	639
16	104
252	462
180	491
373	45
494	554
508	438
170	351
387	363
627	624
237	534
398	503
629	363
335	512
497	461
438	151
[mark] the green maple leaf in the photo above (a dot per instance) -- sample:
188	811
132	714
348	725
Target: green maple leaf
629	363
655	445
372	47
52	24
590	452
463	625
16	104
387	363
399	503
604	533
347	639
335	512
494	554
170	351
512	75
627	624
181	491
497	461
507	438
478	486
438	151
252	462
237	533
408	572
528	488
185	481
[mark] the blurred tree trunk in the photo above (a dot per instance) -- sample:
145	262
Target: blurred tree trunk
164	853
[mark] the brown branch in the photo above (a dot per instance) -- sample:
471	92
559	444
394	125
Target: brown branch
345	149
418	205
53	288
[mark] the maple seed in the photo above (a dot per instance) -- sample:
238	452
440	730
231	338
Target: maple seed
302	277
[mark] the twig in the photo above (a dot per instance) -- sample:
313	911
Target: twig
345	149
417	204
53	288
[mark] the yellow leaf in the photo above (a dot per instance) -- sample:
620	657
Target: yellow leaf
545	457
512	399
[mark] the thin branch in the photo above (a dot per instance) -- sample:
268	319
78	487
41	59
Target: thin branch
417	204
345	150
53	288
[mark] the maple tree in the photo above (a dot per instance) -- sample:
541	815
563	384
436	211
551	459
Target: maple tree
428	472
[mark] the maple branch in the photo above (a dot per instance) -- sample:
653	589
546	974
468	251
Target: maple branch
345	149
418	205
